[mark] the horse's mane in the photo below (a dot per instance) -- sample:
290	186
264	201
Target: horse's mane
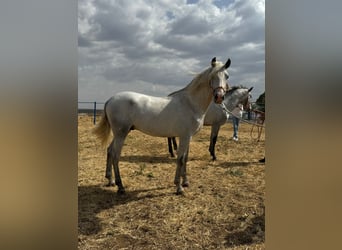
207	73
233	88
261	99
181	90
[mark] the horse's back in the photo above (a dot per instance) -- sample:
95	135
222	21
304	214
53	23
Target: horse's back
122	102
129	104
157	116
128	99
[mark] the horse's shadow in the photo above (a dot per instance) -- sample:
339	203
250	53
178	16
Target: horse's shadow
253	233
147	159
231	164
94	199
171	160
158	159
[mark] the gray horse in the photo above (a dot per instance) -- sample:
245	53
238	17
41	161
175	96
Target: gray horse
178	115
217	115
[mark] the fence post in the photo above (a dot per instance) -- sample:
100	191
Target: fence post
94	112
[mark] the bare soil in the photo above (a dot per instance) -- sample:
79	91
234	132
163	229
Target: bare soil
223	208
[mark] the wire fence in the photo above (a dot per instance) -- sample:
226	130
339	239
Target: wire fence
96	108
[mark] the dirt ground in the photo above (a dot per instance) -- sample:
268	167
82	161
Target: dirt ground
223	208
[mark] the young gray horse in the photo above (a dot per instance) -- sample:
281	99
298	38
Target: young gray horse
178	115
216	115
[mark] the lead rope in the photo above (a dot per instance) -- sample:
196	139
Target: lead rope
259	126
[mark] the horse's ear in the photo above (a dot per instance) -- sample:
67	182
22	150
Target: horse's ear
227	63
250	89
213	62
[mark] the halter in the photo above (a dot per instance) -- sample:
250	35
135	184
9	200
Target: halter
224	90
219	87
248	103
224	67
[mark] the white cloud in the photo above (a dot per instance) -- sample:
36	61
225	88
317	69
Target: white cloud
151	46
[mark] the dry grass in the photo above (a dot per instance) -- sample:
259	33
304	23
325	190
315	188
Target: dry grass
222	209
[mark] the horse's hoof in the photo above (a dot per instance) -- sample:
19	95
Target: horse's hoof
179	191
110	184
185	184
262	160
121	191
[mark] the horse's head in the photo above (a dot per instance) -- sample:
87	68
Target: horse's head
247	103
238	95
218	79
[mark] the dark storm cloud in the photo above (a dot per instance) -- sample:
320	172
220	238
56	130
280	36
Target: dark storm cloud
112	27
83	42
190	25
159	43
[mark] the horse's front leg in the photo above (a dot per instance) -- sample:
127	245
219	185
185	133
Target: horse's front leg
182	156
185	182
179	172
213	138
108	174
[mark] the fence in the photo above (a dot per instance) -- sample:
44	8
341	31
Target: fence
96	108
91	108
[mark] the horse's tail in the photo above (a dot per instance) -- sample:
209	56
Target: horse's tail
102	130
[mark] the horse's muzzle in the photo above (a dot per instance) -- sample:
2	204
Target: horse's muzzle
219	95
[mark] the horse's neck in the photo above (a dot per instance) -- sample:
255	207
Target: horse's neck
200	94
232	100
197	93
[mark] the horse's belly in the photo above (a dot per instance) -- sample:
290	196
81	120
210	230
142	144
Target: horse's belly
170	125
158	127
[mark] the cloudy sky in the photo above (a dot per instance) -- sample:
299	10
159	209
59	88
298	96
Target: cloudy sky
155	46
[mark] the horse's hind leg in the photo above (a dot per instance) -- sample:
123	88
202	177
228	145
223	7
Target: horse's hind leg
170	146
172	141
109	165
118	142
